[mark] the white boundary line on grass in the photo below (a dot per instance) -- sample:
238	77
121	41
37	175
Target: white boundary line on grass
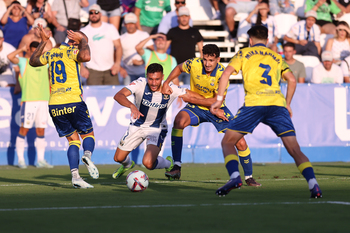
170	206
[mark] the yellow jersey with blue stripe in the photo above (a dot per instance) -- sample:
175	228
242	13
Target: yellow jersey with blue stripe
262	70
65	85
204	84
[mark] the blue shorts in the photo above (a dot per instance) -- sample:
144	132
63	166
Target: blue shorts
248	118
69	118
198	116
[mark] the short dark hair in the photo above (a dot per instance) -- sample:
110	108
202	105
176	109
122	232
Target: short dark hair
154	67
289	44
259	32
211	50
34	44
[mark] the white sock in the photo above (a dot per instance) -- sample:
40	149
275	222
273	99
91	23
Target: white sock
177	163
162	163
75	173
40	145
20	148
127	162
247	177
234	175
312	183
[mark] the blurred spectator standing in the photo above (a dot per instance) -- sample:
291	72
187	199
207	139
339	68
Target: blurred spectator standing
215	5
340	44
159	55
3	6
132	63
170	20
111	12
40	9
281	7
183	40
344	5
324	10
326	71
104	66
7	78
305	34
150	13
128	6
297	67
345	67
33	35
15	23
260	16
59	19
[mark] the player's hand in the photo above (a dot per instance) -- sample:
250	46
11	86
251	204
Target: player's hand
186	97
135	113
290	111
44	35
166	89
75	36
221	114
214	108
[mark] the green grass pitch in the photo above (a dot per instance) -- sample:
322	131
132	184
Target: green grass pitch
43	200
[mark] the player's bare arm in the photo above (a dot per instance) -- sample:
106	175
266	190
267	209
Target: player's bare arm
84	54
166	89
45	36
120	97
222	87
291	86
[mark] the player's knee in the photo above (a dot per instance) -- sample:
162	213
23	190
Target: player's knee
241	144
179	123
148	164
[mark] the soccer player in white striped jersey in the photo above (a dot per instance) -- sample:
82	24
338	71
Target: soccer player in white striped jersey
148	120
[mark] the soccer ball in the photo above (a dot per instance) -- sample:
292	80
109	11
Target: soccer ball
137	181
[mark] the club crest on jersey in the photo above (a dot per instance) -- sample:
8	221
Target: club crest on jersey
166	97
212	84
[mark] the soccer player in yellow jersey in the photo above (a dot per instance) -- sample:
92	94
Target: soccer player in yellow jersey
205	73
262	71
68	111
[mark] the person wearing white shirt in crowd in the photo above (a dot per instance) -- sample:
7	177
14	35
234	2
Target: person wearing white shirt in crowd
103	68
345	67
132	65
170	20
327	72
306	35
7	78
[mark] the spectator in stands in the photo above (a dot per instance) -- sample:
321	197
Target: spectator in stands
103	68
222	8
3	8
59	19
128	6
327	72
183	40
111	12
324	10
260	16
33	35
281	7
15	23
340	44
170	20
215	5
159	55
132	63
7	78
344	5
40	9
150	13
345	67
238	6
305	34
297	67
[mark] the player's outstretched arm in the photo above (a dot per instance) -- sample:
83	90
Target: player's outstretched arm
222	87
166	89
291	86
120	97
35	58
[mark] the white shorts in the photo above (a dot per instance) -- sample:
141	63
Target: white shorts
7	79
34	112
135	135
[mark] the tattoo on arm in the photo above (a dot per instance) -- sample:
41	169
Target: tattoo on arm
84	51
35	58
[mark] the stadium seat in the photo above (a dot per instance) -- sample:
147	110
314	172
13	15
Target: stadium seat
323	40
284	23
299	8
243	28
309	62
199	9
345	17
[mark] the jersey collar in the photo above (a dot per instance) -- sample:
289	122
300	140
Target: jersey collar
259	44
213	73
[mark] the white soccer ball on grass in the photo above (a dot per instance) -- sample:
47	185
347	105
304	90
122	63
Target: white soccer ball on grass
137	181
